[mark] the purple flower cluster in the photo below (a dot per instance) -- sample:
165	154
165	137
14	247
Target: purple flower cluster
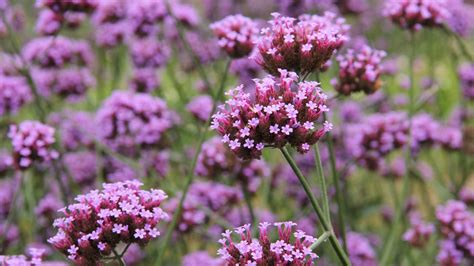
200	107
82	167
76	129
467	196
14	16
32	142
36	258
456	226
379	134
100	220
466	76
359	71
216	160
284	251
110	20
144	80
419	233
60	66
58	13
148	53
129	119
416	14
361	252
428	131
283	111
212	196
302	45
460	21
144	14
14	93
236	35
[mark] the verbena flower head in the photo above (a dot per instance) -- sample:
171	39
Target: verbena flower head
82	167
236	35
57	52
282	112
32	142
148	53
416	14
466	76
302	45
129	119
14	93
456	225
359	71
375	137
144	80
200	107
144	14
361	252
291	248
419	233
448	254
63	6
121	213
217	160
75	128
460	21
69	83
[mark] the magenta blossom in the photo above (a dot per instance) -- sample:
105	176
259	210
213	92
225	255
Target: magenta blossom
302	45
236	35
94	226
290	248
282	112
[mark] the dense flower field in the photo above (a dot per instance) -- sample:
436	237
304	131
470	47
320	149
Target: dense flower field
235	132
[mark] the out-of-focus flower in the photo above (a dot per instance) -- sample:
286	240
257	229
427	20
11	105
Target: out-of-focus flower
467	195
82	167
361	252
57	52
75	128
200	107
236	35
416	14
100	220
192	214
217	160
144	80
144	14
32	142
69	83
134	255
246	69
15	17
456	226
116	171
129	119
63	6
290	248
379	134
466	77
14	93
199	258
148	53
419	233
302	45
47	209
359	71
460	20
36	258
448	254
156	162
283	111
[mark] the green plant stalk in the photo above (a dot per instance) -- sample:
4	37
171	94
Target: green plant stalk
325	223
190	177
322	182
248	202
396	228
9	217
320	240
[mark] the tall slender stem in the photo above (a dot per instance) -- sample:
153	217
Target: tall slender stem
9	218
190	177
248	202
325	223
322	182
320	240
394	233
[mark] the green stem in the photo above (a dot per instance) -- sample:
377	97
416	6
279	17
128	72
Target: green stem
335	179
248	202
322	181
320	240
118	258
9	217
322	218
189	179
394	233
